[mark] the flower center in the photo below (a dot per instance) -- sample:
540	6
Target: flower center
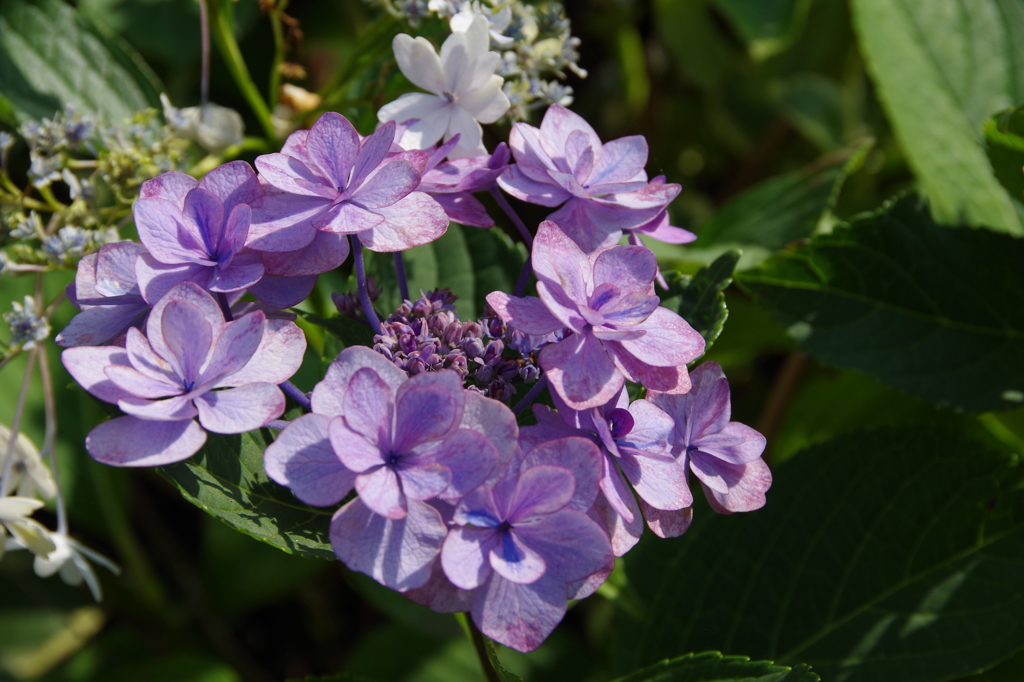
392	459
449	96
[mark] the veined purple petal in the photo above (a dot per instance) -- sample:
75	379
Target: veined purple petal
353	449
347	218
541	490
590	234
519	616
747	494
621	160
423	480
188	338
275	360
524	141
135	383
394	552
145	360
283	292
667	524
168	409
244	271
558	259
86	364
328	394
302	459
440	595
580	456
100	324
735	443
616	491
579	156
326	252
668	342
516	182
236	229
622	534
369	408
465	209
412	221
470	457
654	379
630	268
115	269
581	589
236	410
291	175
580	370
163	233
464	555
233	348
496	422
284	222
380	491
515	561
660	481
171	186
572	544
479	508
131	442
332	145
156	278
371	154
558	125
233	183
204	210
389	183
566	310
528	314
423	413
660	229
189	293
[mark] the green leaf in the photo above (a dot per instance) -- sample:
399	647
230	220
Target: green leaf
934	311
350	332
50	56
941	70
783	208
813	105
886	556
700	299
492	656
226	480
768	26
1005	149
714	667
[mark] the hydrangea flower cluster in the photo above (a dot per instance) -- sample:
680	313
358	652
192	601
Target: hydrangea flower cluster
416	443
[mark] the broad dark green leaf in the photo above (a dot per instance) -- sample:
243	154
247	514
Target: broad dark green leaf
768	26
700	299
942	67
783	208
885	556
934	311
1005	149
350	332
813	105
714	667
226	480
50	56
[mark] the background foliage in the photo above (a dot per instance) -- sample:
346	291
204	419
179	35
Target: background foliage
852	167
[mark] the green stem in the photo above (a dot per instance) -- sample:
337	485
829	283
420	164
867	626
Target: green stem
477	638
224	36
275	65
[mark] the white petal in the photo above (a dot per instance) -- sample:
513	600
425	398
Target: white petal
419	62
487	103
463	124
431	114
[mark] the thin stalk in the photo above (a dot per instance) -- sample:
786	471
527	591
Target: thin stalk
51	201
403	283
19	408
275	65
293	392
50	439
225	306
524	277
223	33
513	216
364	295
477	638
531	395
204	37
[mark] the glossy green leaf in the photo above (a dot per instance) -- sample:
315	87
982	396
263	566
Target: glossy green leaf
768	26
700	299
714	667
813	105
350	332
885	556
51	56
226	480
941	69
934	311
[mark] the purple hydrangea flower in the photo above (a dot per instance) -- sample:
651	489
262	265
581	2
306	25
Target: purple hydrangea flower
163	380
619	332
724	455
107	293
603	186
198	232
405	444
634	441
525	544
328	179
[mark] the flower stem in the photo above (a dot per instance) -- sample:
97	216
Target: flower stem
19	408
49	440
531	395
513	216
364	295
225	306
403	283
204	37
273	94
223	33
477	638
524	277
292	391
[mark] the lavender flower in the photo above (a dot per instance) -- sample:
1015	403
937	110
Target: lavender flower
603	186
164	380
522	544
724	455
28	327
608	302
402	443
107	293
326	179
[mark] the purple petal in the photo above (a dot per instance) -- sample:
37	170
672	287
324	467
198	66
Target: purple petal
528	314
233	183
519	616
188	338
525	188
115	269
236	229
440	595
131	442
470	457
667	524
573	545
87	364
423	480
567	311
464	555
283	292
295	145
326	252
100	324
621	160
171	186
233	349
192	294
353	449
156	279
668	341
465	209
589	233
284	222
413	221
397	553
747	494
372	152
558	259
236	410
369	408
275	360
622	534
332	145
579	156
380	491
659	481
390	183
348	218
558	125
581	589
616	491
245	270
479	508
736	443
302	458
496	422
659	228
580	456
162	232
328	394
516	561
145	360
630	268
654	379
204	210
136	383
707	406
424	413
524	140
541	490
579	369
169	409
294	176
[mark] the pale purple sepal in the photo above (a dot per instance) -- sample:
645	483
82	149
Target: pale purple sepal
301	458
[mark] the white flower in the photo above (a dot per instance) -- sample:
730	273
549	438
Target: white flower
497	22
28	472
69	557
26	532
466	91
214	127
